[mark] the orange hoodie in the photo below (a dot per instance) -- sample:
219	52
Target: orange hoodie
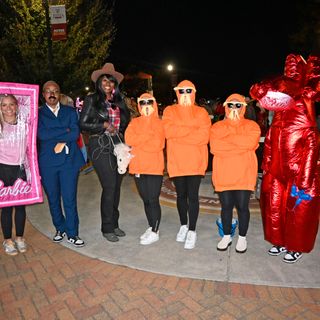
233	142
187	130
145	135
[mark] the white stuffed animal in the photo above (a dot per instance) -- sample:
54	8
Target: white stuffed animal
122	152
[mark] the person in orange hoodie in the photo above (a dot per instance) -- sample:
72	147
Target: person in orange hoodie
233	142
187	128
145	135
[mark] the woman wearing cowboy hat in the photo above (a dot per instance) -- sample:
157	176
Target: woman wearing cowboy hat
105	116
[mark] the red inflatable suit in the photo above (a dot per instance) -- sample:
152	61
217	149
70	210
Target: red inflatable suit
290	191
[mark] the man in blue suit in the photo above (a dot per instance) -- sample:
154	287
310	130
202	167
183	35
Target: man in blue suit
60	160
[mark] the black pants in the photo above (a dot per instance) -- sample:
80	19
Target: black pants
240	200
187	188
105	164
149	187
9	174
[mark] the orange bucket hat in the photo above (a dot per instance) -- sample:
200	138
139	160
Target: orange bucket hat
236	98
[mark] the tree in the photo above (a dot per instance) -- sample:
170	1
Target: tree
306	39
24	45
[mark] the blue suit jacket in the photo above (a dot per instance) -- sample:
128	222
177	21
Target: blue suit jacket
63	128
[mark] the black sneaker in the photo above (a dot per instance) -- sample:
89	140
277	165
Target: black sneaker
76	241
58	236
277	250
111	237
292	257
119	233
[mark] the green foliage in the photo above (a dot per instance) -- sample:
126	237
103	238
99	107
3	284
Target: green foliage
24	43
306	38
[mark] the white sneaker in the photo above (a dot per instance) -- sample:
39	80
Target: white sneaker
21	245
145	234
191	240
9	247
182	234
224	243
241	246
150	238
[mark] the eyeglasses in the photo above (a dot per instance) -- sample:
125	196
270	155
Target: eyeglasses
51	91
234	104
144	102
182	91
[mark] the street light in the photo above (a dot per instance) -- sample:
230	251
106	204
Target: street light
173	79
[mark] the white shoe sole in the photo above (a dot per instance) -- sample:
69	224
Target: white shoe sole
224	249
276	253
241	251
149	242
14	253
76	244
292	261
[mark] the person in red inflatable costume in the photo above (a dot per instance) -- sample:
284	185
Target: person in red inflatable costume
290	191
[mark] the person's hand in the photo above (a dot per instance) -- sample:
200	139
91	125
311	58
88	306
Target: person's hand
109	127
112	129
59	147
258	91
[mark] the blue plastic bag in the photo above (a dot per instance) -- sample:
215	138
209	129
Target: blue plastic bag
233	227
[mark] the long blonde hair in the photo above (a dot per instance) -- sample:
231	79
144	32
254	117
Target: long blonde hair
5	95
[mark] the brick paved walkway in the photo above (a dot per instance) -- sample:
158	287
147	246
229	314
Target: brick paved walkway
53	282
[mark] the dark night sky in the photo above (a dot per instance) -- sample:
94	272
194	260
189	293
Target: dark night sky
221	50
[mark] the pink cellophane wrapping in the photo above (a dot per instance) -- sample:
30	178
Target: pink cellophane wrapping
30	191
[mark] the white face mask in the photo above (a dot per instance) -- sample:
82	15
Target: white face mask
234	114
147	110
185	100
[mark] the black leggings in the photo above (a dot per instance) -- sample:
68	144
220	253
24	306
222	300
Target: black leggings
149	187
19	220
9	174
240	200
187	188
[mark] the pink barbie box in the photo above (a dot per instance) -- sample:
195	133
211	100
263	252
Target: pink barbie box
30	191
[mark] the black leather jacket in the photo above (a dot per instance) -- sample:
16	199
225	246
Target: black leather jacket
94	114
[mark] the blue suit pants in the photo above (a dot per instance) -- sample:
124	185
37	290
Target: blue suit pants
60	183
